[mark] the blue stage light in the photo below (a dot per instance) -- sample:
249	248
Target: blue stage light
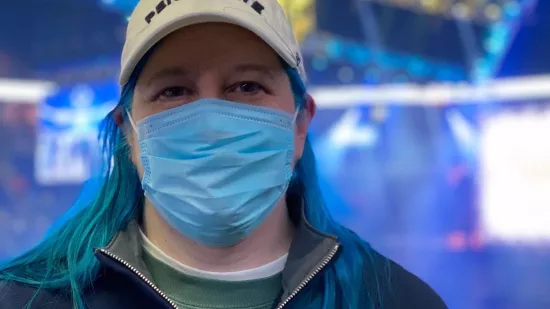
372	76
359	55
334	49
124	6
417	66
319	63
512	9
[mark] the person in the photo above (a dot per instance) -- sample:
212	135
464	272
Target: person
210	196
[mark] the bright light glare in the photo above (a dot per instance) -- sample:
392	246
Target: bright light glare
504	89
349	132
462	131
24	91
515	177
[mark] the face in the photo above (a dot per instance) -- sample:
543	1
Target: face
213	60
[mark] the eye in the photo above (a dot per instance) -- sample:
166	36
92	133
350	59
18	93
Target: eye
247	87
173	92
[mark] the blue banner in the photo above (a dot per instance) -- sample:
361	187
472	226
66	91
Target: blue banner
67	143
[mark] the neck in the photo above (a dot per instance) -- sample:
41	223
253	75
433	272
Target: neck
266	244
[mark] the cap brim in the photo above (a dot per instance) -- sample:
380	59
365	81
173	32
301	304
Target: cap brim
174	20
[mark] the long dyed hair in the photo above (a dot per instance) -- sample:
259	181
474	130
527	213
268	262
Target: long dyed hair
64	261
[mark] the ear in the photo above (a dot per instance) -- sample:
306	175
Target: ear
302	125
310	105
118	118
305	116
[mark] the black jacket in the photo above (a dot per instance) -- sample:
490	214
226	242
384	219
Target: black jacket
124	279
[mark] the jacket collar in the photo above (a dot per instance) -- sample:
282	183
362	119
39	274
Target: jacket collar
309	249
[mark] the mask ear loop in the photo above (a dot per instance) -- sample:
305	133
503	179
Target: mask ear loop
299	109
295	117
131	121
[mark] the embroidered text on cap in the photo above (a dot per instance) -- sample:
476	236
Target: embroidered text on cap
255	5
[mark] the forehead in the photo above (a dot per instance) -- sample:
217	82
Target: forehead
212	45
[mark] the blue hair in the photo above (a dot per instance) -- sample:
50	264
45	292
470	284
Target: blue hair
64	261
343	283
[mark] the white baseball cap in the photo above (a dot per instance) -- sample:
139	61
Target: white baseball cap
153	20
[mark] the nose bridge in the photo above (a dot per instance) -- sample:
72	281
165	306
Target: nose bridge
210	85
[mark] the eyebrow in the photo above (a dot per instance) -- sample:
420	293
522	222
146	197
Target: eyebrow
171	72
270	72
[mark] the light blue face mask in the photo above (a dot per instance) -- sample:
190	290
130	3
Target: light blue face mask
215	169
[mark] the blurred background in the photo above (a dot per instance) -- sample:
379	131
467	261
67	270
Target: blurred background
431	135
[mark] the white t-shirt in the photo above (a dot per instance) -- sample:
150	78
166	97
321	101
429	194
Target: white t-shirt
264	271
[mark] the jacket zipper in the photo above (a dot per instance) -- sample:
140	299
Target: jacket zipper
142	277
304	282
285	302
